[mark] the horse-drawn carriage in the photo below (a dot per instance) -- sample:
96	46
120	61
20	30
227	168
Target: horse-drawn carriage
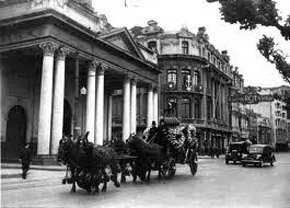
90	166
171	143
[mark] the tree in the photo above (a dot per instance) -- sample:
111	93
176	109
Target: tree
251	13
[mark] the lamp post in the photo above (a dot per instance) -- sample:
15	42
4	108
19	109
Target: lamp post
83	92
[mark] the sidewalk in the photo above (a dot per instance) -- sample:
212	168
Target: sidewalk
37	176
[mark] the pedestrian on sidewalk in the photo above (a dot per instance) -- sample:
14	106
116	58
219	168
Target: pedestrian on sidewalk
25	158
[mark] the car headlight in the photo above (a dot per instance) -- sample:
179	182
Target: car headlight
244	156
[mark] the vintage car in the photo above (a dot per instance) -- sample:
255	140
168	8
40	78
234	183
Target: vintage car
235	151
258	155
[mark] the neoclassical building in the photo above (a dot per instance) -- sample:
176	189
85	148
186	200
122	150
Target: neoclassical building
195	80
62	67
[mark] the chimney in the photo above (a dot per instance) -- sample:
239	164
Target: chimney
201	30
87	2
225	53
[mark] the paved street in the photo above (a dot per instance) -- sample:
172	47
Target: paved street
215	185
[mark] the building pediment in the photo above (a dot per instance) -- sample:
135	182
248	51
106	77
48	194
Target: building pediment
185	33
122	39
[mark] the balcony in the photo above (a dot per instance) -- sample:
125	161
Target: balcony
193	121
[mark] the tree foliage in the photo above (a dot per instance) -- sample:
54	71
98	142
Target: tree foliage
268	49
251	13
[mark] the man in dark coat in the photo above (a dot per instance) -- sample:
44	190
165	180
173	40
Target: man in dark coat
25	157
152	132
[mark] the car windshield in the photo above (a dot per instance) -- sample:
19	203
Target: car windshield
235	147
256	149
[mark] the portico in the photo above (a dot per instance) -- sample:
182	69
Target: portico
62	60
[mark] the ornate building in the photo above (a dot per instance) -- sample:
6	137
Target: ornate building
61	65
195	80
240	121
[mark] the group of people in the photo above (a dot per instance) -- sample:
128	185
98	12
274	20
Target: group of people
157	134
162	134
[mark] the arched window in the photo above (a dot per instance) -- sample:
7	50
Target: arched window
185	47
172	78
171	109
186	80
185	108
152	45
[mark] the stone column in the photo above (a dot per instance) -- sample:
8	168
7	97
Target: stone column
99	124
110	113
142	106
150	106
90	109
155	106
133	113
126	109
45	104
58	100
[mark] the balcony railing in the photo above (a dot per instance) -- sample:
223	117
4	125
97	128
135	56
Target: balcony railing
192	121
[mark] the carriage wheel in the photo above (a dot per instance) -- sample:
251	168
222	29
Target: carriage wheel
169	169
193	164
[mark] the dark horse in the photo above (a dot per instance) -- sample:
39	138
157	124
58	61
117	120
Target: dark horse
148	154
87	163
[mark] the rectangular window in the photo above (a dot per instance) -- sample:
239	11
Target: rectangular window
185	111
185	47
197	109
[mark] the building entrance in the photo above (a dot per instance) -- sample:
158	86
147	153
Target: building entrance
16	131
67	118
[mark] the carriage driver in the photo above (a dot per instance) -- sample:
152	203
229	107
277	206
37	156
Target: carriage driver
152	132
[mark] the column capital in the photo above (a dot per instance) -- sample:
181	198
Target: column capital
134	81
48	48
94	64
102	68
151	87
126	78
62	52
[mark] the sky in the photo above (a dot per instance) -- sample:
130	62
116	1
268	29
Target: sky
172	15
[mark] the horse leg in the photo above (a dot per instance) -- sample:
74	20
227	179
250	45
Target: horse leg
73	188
114	176
104	189
123	174
148	175
134	174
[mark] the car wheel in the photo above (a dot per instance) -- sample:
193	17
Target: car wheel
227	161
261	163
244	164
235	162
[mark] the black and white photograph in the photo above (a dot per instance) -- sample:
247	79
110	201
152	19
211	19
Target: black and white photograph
145	103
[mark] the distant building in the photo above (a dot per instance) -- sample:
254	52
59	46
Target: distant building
264	130
252	120
195	80
240	121
277	113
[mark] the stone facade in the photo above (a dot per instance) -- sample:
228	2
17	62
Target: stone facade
61	65
194	83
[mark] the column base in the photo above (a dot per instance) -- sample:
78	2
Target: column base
45	160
